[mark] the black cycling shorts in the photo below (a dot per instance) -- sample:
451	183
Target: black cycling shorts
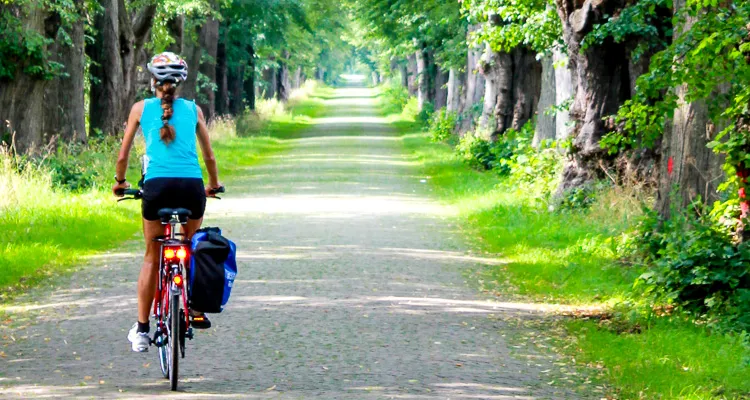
161	193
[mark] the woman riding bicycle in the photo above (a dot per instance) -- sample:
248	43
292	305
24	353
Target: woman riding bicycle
173	177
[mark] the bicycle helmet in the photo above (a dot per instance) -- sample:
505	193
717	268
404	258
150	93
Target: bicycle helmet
168	67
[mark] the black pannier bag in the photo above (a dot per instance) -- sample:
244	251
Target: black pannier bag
208	275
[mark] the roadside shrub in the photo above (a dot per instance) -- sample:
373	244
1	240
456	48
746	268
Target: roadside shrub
78	167
695	264
442	125
425	115
476	152
581	198
502	155
410	111
394	97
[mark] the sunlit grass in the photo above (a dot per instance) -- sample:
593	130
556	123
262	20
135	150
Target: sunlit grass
571	257
566	257
45	230
670	360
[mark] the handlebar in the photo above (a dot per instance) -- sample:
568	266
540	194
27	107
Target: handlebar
219	189
137	194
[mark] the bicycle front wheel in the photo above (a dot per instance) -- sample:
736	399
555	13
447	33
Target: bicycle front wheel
174	339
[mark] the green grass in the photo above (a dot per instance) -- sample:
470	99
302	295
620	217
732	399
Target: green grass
571	258
47	235
45	231
671	359
565	257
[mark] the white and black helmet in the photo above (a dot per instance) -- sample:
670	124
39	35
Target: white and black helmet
168	67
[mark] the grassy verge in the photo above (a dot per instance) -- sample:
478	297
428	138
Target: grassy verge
571	257
45	229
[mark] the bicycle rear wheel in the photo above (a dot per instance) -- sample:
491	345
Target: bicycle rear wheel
174	339
162	340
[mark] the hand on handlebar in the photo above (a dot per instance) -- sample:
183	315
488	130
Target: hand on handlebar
119	189
212	190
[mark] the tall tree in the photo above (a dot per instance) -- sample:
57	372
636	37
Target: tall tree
116	55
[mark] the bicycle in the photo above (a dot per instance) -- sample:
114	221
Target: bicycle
171	311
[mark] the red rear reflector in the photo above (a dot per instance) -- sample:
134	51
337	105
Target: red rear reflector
177	280
168	254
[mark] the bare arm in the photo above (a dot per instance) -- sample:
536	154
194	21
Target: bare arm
127	143
208	152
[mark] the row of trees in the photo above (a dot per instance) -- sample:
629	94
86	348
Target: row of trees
72	68
651	85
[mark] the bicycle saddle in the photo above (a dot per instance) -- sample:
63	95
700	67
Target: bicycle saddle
166	213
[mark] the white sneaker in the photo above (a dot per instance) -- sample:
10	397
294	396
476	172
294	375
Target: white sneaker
139	340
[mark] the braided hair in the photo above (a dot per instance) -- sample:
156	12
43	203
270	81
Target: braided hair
167	132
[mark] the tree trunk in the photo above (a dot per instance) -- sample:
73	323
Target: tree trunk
64	109
236	85
602	85
404	71
209	43
222	90
423	79
456	83
412	73
297	80
688	165
175	27
283	88
475	85
441	89
191	52
249	82
564	90
545	124
21	98
513	84
116	53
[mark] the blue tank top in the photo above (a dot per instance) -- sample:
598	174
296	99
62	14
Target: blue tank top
179	158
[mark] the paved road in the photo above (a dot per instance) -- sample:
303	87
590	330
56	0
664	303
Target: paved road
350	287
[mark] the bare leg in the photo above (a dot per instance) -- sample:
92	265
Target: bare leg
190	228
150	270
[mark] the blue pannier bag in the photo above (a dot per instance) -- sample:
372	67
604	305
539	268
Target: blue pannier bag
213	268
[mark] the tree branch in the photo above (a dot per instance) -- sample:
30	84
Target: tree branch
142	23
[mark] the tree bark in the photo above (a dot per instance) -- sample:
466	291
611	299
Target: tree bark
602	85
209	43
441	90
222	90
175	27
249	82
513	84
456	84
412	73
688	165
64	109
116	54
236	85
283	83
564	85
404	73
21	98
475	85
423	78
297	80
545	124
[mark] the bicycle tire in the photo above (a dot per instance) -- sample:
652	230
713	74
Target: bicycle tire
163	348
174	340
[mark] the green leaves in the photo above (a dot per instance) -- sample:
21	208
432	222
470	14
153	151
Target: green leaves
532	23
